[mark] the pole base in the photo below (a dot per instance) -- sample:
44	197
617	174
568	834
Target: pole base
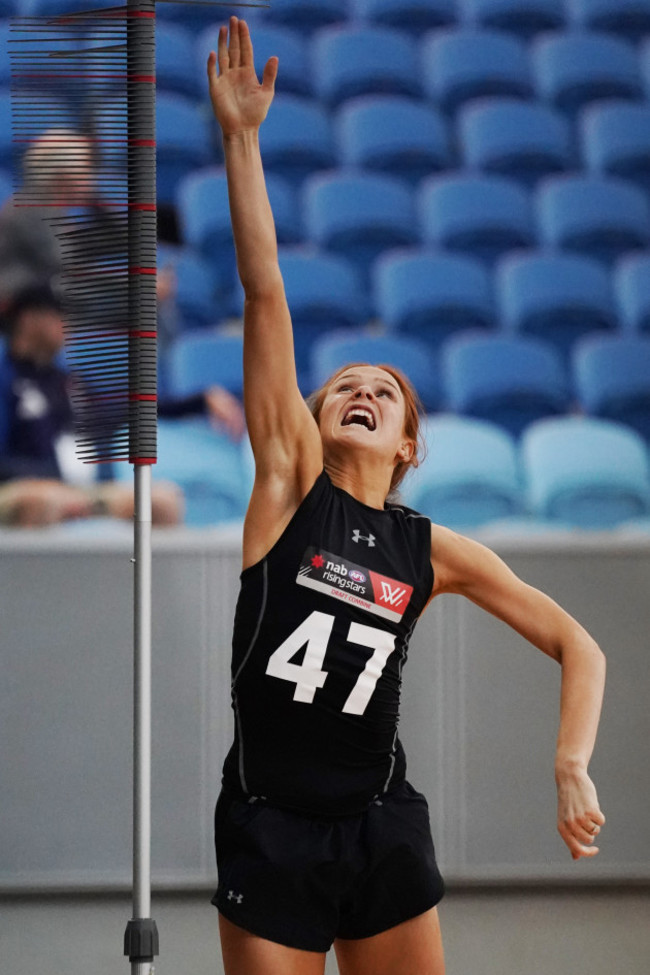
141	940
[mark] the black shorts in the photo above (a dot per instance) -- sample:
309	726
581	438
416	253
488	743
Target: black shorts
303	881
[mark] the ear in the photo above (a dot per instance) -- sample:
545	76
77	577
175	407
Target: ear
405	451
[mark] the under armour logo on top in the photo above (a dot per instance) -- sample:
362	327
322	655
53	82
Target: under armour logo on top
232	896
358	537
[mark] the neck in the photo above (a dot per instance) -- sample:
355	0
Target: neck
367	484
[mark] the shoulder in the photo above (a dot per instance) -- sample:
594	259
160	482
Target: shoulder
461	564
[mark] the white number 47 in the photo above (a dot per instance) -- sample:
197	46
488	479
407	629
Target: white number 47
308	676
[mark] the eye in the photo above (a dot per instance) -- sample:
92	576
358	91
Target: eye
386	391
344	388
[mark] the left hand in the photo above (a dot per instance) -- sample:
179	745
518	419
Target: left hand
579	818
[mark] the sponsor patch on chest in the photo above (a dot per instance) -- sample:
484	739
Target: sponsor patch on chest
344	580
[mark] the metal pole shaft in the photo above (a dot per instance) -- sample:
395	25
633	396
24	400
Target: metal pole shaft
142	695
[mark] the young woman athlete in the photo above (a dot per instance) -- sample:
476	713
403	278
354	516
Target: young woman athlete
320	839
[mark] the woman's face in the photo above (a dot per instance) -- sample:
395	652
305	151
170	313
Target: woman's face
364	409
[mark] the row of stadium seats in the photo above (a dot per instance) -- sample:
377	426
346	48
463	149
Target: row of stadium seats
447	67
360	215
430	294
511	382
630	18
566	473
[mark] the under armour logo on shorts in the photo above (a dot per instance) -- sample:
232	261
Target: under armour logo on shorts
232	896
358	537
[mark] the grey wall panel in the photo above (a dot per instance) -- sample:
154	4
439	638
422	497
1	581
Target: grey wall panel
480	710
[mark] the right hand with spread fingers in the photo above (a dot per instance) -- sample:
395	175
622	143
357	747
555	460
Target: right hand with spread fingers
239	101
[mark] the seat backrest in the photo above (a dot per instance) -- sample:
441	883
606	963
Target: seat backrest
415	16
629	18
428	294
322	287
615	138
571	69
205	358
592	473
515	138
557	296
463	63
358	214
523	18
469	476
612	379
602	217
392	133
356	59
483	215
413	358
509	381
632	290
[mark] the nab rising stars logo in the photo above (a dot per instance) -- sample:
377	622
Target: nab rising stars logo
336	576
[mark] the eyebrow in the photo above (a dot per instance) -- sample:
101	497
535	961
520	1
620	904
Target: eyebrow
389	381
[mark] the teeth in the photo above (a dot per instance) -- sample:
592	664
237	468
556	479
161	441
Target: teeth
364	414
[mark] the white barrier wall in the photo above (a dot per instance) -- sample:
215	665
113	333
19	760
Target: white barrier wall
479	718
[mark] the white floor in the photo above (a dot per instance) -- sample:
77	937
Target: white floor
486	932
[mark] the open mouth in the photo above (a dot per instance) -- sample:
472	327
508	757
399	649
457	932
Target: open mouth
361	416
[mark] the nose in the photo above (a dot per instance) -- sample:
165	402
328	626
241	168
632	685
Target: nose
364	391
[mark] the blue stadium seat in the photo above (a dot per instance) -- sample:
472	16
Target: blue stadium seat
392	134
483	216
182	142
557	297
363	60
615	140
6	186
430	294
469	476
9	8
612	379
5	48
324	292
296	138
630	18
573	69
7	145
306	17
632	292
513	138
268	40
206	465
358	215
202	289
464	63
524	17
205	358
193	16
590	473
412	357
175	61
204	213
48	8
510	381
412	15
601	217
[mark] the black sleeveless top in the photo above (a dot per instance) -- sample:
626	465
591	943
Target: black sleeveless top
321	635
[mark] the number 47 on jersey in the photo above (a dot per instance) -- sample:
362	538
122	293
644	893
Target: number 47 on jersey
309	676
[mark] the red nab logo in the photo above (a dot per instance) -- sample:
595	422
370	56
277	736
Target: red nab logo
390	593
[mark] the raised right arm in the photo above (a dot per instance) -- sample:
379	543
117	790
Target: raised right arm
284	437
